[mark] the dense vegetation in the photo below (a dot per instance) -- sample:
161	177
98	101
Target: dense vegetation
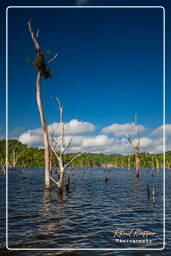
22	155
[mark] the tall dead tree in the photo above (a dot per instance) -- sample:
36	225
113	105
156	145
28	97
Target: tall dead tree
136	148
60	144
42	72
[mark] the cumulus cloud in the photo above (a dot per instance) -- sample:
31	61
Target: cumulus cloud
106	145
82	143
73	127
32	140
78	131
34	137
159	131
144	142
97	144
101	144
123	129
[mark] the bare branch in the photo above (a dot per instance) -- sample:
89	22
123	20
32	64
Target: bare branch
33	35
37	34
136	147
52	179
59	103
18	155
62	136
137	128
138	143
52	132
54	152
129	140
56	142
61	123
135	119
54	57
65	148
72	160
60	109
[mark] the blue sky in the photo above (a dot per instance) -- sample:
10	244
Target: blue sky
109	66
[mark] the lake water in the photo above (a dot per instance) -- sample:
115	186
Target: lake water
89	216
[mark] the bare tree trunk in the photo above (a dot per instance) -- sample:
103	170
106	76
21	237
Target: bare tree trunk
42	71
45	131
136	149
61	178
13	159
129	163
137	164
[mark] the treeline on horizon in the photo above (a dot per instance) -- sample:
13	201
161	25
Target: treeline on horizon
23	156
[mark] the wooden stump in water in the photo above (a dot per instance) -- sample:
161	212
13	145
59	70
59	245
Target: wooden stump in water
107	178
68	185
148	191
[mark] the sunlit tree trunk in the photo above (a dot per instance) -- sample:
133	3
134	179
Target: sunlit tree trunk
136	149
129	163
137	164
42	70
45	131
15	156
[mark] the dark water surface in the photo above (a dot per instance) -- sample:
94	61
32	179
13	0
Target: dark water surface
89	215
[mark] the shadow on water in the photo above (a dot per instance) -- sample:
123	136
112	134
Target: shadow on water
87	217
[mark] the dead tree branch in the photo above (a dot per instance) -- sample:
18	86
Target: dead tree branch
63	148
73	159
33	35
136	148
53	58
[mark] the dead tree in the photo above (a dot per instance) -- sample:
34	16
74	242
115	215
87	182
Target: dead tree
14	156
60	143
136	148
42	71
129	165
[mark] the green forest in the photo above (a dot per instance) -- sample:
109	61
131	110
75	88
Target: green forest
23	156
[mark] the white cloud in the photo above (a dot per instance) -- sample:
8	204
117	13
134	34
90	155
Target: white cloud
97	141
35	137
31	140
101	143
73	127
159	131
123	129
97	144
144	142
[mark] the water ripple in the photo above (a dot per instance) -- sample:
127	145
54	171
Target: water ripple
88	216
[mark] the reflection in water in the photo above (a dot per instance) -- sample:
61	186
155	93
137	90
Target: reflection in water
88	216
51	215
